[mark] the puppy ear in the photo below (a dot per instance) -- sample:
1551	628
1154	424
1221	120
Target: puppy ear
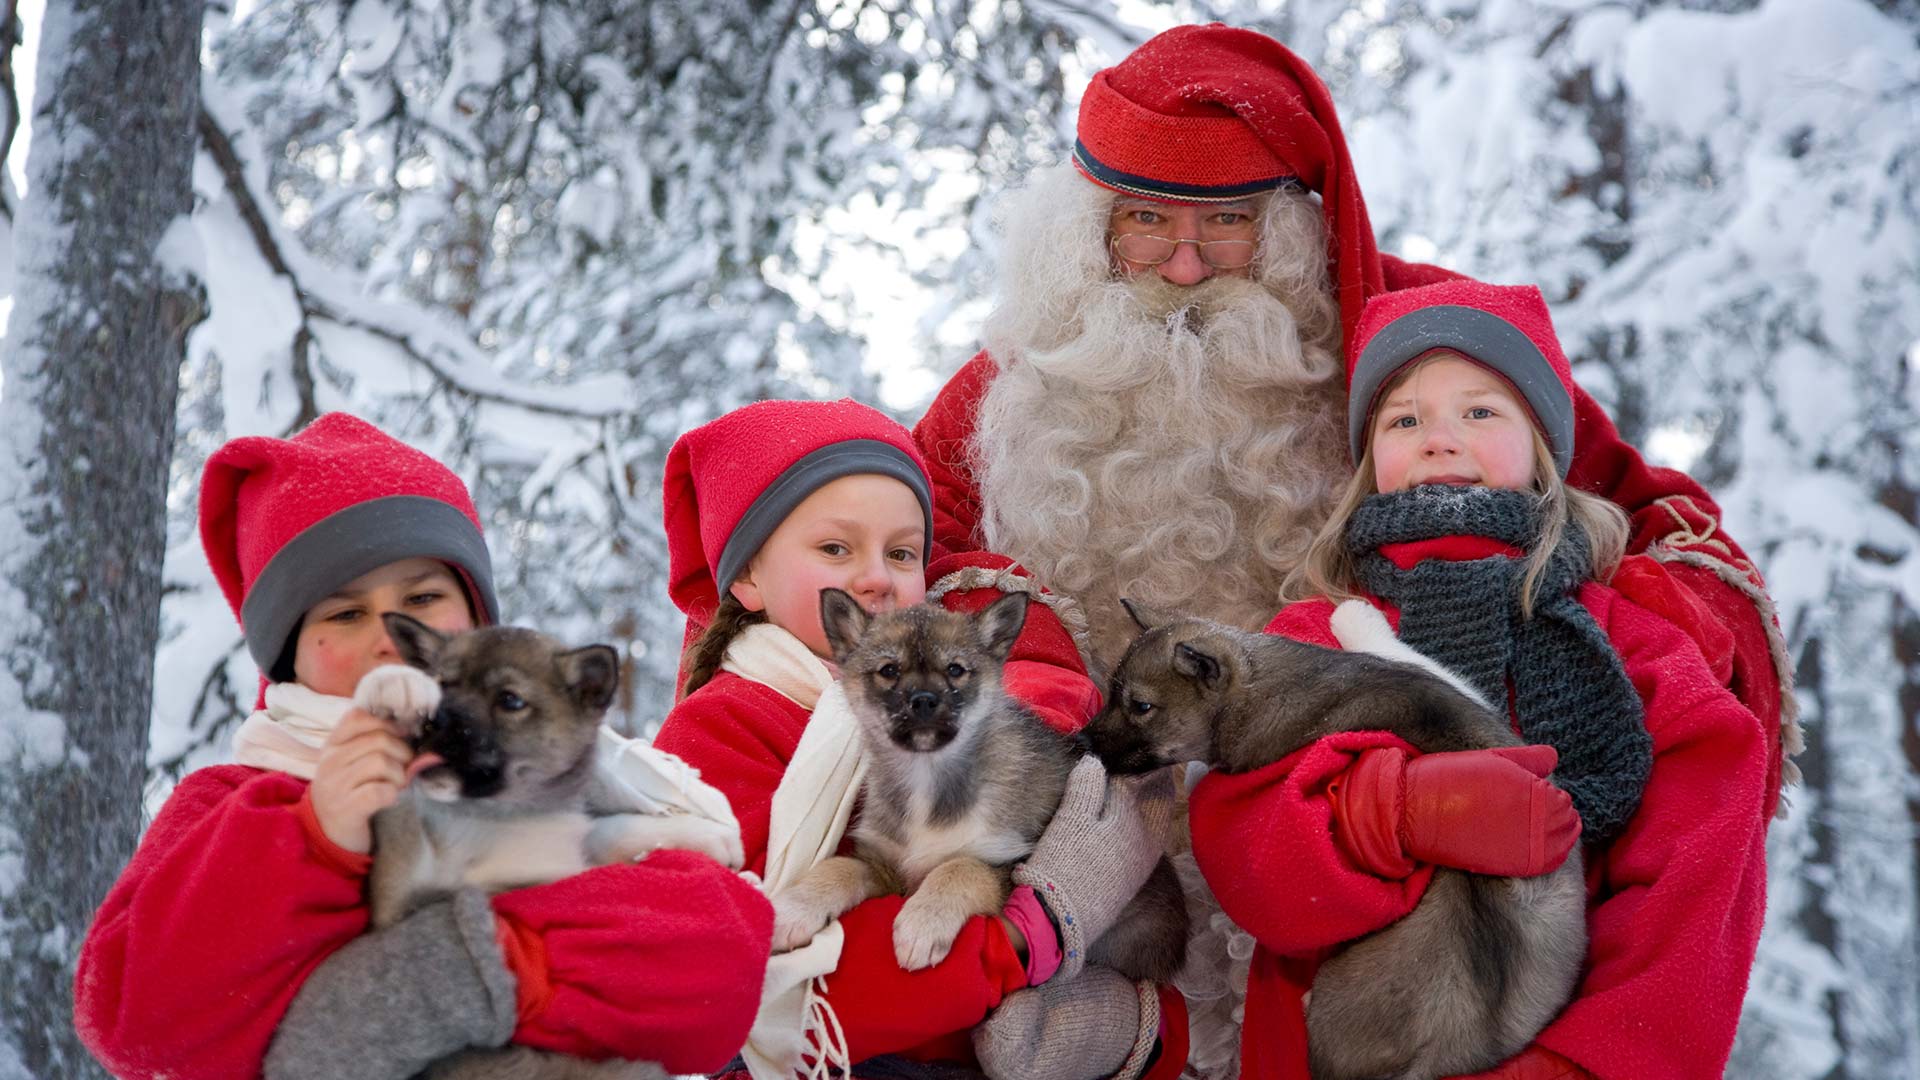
844	620
418	644
998	625
592	674
1144	617
1199	663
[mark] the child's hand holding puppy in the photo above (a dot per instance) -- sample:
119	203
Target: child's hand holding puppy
362	769
1107	836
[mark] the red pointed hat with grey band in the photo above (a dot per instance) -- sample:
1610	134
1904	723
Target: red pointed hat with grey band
1215	113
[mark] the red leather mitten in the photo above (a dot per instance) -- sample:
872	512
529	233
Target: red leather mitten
1533	1063
1486	811
659	960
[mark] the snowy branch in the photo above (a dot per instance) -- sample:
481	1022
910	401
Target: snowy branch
432	355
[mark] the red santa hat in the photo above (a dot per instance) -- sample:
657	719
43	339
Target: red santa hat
731	482
286	522
1503	328
1214	113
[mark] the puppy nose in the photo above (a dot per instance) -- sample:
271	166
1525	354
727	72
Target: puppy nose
923	703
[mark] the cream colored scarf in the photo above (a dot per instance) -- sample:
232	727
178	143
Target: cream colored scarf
811	808
288	734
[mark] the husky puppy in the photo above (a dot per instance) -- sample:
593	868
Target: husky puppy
1482	964
506	722
961	781
504	792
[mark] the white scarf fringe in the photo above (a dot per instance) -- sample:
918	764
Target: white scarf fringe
811	809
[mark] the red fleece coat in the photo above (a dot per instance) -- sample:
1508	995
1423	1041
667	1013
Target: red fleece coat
235	896
741	734
1674	903
1696	577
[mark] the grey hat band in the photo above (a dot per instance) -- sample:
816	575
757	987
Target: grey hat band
1480	336
348	543
806	476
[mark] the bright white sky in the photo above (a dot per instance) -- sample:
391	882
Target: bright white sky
24	59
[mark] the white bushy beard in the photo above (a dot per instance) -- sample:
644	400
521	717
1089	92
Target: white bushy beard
1174	445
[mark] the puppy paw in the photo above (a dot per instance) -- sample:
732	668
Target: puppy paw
625	837
1360	627
399	693
795	922
923	933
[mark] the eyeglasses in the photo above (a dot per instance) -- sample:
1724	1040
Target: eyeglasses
1149	250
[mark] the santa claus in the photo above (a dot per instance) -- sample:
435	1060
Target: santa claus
1159	411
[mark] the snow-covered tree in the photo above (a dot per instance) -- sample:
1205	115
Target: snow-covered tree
92	361
540	240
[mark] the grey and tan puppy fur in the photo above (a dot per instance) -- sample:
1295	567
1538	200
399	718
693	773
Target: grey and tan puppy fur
1481	964
961	781
515	716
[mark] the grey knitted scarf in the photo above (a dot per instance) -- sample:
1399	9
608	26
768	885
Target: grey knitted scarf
1569	689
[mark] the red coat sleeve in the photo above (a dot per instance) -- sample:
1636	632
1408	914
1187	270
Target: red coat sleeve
658	961
943	436
1264	839
231	900
741	736
1679	896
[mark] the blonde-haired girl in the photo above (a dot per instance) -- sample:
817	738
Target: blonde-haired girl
1460	527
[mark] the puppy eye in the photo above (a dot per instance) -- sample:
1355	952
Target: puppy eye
1141	708
889	670
956	670
509	701
430	726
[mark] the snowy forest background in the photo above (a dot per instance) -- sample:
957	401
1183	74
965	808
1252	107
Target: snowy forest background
538	239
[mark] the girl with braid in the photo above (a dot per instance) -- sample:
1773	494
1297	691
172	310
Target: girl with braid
1460	527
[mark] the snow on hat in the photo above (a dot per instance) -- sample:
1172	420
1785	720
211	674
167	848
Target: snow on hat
286	522
1504	328
1215	113
732	481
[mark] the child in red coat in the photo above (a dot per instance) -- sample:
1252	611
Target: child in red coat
765	507
1458	525
253	874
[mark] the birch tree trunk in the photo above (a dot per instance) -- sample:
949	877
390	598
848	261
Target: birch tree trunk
87	418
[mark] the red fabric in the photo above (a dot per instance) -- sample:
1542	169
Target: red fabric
1649	584
716	471
1520	306
1534	1063
1211	112
228	905
660	960
258	492
741	734
1675	902
526	957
